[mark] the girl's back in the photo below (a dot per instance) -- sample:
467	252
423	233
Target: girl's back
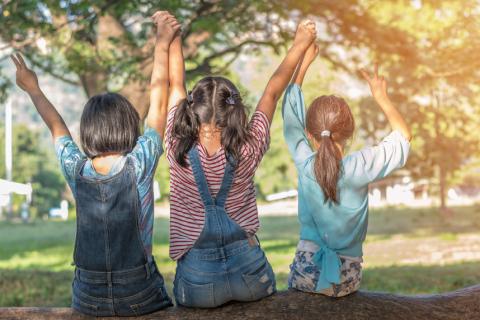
343	224
186	204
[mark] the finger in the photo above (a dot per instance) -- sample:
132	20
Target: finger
365	74
175	25
160	14
376	70
20	59
15	61
156	14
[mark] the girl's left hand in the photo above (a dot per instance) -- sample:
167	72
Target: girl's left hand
378	84
26	79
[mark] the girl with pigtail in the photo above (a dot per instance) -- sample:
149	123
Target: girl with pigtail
332	185
214	151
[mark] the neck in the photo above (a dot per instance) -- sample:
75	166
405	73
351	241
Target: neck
210	138
104	162
212	144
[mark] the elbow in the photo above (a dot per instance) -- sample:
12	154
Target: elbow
272	96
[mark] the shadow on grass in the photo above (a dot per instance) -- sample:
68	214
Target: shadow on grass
43	288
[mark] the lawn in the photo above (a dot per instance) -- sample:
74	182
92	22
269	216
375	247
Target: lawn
407	251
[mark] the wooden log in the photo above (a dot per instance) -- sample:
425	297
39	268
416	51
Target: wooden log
290	305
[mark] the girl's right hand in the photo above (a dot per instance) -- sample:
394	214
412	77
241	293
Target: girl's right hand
377	84
26	79
167	26
306	34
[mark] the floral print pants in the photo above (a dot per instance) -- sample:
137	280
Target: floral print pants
304	274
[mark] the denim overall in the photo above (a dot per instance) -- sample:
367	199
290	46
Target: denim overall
224	264
113	276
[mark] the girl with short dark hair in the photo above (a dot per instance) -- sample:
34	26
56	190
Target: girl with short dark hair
115	272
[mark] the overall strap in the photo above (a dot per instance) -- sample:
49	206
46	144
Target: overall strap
228	176
200	178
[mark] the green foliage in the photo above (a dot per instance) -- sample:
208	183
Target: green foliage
437	91
108	44
33	164
428	53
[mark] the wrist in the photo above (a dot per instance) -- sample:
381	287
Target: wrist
381	98
162	44
301	45
36	91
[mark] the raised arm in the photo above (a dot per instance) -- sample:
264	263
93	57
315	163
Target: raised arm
176	70
304	63
304	36
378	87
27	80
167	27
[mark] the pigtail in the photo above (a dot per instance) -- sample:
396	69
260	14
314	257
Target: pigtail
235	124
214	101
185	130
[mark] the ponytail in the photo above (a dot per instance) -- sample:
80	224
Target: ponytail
330	122
327	168
185	129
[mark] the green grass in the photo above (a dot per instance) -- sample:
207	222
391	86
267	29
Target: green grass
35	259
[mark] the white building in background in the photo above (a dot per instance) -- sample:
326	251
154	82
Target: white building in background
61	212
402	190
7	188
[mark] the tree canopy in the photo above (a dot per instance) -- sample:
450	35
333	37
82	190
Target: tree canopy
427	50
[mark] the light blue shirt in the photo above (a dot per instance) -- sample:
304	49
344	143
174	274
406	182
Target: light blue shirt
145	155
336	228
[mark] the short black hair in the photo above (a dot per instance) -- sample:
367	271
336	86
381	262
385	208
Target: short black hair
109	123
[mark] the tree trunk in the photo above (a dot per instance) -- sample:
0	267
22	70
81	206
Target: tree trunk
443	187
291	305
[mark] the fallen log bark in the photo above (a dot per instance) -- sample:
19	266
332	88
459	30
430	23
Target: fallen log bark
456	305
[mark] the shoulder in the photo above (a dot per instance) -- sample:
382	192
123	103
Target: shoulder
147	151
260	118
65	147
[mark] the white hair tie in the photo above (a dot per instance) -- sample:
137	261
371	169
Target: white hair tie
326	133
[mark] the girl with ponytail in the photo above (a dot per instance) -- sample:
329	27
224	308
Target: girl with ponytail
332	185
213	151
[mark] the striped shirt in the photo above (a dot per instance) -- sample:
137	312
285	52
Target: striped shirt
187	212
145	158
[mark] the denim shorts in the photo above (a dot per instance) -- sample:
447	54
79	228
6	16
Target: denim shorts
208	278
126	296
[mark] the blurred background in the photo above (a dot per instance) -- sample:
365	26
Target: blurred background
424	224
